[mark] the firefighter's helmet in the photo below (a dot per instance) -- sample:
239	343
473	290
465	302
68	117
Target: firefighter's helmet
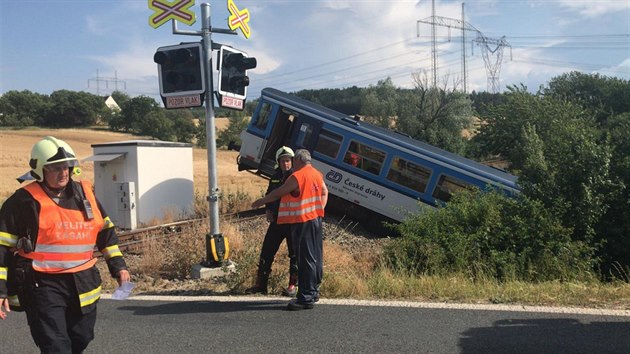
284	151
51	150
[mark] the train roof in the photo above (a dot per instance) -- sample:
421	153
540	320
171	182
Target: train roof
390	136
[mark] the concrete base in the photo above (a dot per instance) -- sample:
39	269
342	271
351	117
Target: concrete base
201	272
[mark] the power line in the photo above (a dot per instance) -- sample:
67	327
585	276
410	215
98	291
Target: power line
563	64
342	59
106	80
583	42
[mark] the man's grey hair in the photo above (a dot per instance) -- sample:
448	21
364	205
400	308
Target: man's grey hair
303	155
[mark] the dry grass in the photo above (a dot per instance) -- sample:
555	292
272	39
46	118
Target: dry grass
16	147
351	270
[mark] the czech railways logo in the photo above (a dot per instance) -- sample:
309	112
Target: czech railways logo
334	176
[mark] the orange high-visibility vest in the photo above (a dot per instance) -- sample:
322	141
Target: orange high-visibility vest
65	240
308	205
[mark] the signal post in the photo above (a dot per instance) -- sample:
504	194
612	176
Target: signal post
185	74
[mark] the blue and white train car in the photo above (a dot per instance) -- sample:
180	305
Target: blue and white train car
371	172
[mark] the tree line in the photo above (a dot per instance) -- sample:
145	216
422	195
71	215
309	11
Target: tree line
140	115
567	142
569	147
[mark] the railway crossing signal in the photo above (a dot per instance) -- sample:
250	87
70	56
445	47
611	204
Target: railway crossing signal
185	77
233	79
176	10
181	75
238	19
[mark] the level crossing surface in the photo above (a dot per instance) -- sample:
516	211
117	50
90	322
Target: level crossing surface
262	324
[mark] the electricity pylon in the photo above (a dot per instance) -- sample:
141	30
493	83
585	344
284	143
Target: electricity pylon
107	81
491	48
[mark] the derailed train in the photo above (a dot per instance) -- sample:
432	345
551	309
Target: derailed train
372	173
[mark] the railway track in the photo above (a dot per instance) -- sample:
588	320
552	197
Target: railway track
133	241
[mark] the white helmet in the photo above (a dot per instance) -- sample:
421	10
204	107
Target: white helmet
51	150
284	151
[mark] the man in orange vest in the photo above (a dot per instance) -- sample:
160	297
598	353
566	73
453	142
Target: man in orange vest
48	230
303	198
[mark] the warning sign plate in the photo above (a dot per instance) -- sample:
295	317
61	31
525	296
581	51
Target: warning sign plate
183	101
231	102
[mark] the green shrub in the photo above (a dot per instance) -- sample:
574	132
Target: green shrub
488	235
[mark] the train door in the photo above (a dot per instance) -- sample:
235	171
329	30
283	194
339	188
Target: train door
305	132
278	136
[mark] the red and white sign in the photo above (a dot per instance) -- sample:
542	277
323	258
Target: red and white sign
183	101
164	10
231	102
238	19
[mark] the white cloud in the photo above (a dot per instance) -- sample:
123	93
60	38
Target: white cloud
337	4
594	8
132	62
531	67
621	70
265	62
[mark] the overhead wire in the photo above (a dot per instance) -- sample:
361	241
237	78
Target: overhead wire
516	41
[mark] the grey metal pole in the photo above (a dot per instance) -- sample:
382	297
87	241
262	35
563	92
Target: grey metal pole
213	196
464	50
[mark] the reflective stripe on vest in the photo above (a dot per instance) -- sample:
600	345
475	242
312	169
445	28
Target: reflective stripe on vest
308	205
50	266
301	208
3	273
65	240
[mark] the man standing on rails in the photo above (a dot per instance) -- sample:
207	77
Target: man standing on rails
277	232
48	230
303	198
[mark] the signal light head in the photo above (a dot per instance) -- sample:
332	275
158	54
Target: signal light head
249	63
179	56
181	69
233	66
160	58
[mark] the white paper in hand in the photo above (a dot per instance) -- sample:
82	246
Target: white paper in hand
123	291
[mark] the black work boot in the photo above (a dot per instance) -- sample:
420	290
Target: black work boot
261	285
295	305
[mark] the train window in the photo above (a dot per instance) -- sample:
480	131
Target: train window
448	185
328	143
305	135
263	116
364	157
409	174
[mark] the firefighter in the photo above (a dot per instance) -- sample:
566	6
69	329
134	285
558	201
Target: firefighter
48	230
303	198
277	232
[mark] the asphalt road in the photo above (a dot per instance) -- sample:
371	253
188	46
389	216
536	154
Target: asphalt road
260	325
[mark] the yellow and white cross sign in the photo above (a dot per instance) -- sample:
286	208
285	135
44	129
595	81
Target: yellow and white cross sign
238	19
165	10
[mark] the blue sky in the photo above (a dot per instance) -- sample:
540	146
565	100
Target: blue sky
48	45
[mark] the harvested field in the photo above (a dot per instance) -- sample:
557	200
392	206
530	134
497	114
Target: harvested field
15	148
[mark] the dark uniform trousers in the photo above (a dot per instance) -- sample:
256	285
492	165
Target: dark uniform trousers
55	316
309	243
273	238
